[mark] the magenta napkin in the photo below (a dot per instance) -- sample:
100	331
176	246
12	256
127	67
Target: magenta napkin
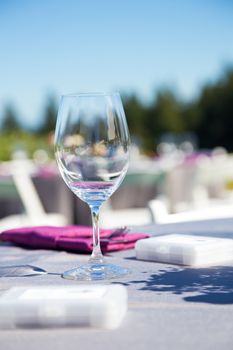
71	238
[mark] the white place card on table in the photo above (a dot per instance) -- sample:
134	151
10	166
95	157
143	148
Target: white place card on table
99	306
192	250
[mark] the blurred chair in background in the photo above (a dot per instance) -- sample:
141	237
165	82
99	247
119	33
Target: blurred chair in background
123	217
35	214
160	214
128	206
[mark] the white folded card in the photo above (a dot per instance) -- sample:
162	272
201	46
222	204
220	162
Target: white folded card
101	306
182	249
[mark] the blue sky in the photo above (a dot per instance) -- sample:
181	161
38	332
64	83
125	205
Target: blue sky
63	46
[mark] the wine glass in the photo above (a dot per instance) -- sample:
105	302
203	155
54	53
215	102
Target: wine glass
92	151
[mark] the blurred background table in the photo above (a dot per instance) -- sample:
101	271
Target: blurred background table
176	183
135	192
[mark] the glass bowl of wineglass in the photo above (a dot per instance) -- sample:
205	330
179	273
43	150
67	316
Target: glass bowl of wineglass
92	151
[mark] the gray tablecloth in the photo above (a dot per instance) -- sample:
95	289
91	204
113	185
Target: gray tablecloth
170	307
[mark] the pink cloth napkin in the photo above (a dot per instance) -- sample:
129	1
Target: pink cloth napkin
71	238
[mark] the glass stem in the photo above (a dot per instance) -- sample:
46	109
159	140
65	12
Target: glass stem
96	256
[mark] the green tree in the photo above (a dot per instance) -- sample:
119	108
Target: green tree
169	112
49	118
215	107
165	114
135	113
10	122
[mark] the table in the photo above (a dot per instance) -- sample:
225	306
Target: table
170	307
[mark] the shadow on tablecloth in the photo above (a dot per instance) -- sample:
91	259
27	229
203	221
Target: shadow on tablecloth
203	285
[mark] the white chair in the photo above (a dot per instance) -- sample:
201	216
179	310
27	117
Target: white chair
34	212
110	218
160	214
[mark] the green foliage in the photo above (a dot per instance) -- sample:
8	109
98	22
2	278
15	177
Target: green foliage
134	111
9	120
13	137
20	140
50	116
168	111
216	114
210	117
163	116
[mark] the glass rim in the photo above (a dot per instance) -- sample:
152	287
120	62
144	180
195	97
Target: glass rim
91	94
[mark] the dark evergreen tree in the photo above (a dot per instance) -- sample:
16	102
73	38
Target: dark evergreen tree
215	127
10	122
50	115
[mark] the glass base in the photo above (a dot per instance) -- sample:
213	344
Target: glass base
95	272
21	271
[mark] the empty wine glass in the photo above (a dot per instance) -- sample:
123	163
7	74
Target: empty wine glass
92	151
